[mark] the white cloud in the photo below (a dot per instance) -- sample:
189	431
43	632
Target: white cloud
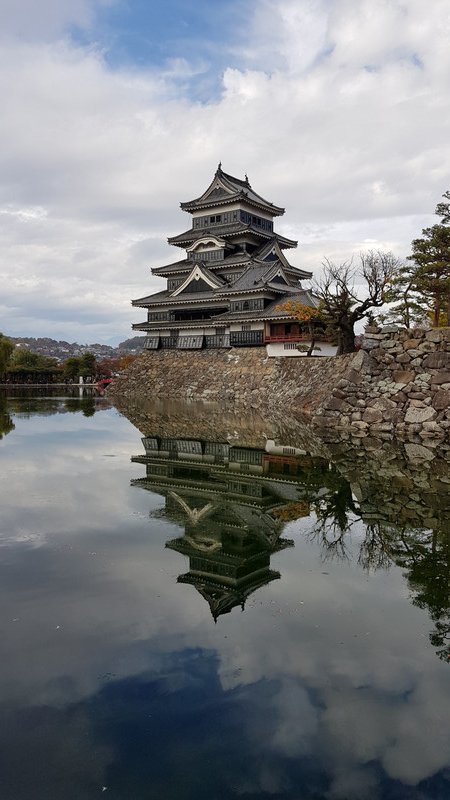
341	116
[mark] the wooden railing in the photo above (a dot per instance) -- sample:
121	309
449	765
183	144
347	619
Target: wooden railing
287	337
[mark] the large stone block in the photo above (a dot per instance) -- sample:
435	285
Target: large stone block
441	400
384	404
440	377
419	415
403	376
417	452
355	377
435	335
372	415
360	360
427	347
437	360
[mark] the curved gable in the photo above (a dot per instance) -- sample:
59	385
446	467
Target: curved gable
206	243
198	280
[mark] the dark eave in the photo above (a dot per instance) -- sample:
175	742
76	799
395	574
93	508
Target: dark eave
185	266
177	266
173	324
295	272
229	190
250	198
271	312
185	299
235	229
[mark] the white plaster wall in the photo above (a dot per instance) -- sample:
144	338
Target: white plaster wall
194	331
277	350
254	326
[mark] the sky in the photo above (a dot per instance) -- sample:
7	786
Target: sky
115	111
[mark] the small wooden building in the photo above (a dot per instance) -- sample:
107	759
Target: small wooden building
227	290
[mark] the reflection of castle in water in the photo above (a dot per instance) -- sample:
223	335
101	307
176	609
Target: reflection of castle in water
231	501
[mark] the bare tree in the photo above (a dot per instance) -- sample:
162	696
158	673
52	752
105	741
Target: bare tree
340	304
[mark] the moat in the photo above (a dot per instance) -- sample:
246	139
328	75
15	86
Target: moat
197	604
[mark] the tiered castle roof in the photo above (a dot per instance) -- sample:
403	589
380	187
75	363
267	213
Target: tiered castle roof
232	252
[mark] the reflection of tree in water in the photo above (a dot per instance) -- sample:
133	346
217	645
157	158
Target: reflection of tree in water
335	514
423	553
426	557
6	423
375	551
86	404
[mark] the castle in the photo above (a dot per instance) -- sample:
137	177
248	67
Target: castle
228	289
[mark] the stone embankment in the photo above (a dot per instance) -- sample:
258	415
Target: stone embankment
244	376
397	384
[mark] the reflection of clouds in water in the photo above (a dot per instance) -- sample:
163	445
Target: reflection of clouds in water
351	783
401	732
62	478
375	694
298	720
422	741
335	668
84	613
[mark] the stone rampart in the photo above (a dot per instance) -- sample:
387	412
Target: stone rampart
243	376
398	383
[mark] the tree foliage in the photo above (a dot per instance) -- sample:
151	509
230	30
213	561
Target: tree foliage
108	367
88	365
410	308
25	359
443	209
6	351
304	313
431	272
71	368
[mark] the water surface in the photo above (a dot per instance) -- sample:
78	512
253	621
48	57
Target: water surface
201	606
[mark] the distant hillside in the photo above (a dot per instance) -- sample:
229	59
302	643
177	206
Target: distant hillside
135	343
62	350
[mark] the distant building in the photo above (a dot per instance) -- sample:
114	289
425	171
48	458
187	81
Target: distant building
226	292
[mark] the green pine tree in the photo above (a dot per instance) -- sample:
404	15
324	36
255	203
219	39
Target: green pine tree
431	271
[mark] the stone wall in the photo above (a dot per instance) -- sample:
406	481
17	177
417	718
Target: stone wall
244	376
398	382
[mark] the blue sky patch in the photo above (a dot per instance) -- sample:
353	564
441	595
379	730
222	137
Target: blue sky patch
191	42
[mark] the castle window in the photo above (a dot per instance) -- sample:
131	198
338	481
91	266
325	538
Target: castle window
248	305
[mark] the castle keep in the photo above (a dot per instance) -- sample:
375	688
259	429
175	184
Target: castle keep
227	290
